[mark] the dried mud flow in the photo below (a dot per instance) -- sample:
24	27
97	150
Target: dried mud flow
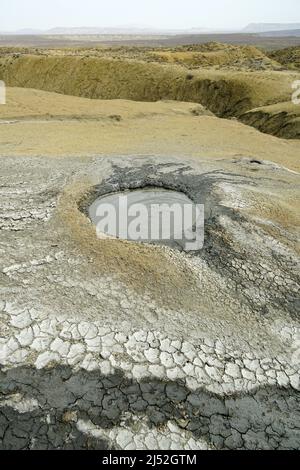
114	344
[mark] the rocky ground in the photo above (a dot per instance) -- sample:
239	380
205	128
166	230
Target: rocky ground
110	344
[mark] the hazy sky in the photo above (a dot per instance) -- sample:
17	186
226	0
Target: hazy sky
44	14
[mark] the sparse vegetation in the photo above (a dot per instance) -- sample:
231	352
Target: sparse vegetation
227	93
288	57
282	120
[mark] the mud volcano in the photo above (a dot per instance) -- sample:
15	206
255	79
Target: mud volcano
148	215
120	345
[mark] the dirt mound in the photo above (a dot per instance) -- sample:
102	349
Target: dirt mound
218	55
288	57
223	93
282	120
209	55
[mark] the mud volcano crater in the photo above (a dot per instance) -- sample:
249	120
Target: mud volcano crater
228	251
147	215
159	184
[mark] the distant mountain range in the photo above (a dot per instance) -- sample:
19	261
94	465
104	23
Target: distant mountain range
285	33
268	29
118	30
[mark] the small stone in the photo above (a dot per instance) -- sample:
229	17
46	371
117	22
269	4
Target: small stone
282	379
248	375
151	442
127	366
87	330
152	355
121	338
212	373
180	358
157	371
173	428
22	320
76	353
117	349
198	362
163	442
167	360
89	363
25	338
210	343
206	349
108	340
48	327
176	344
252	365
227	388
202	376
152	340
41	344
271	373
93	344
139	371
188	350
11	309
214	362
166	346
18	356
189	369
105	353
219	348
192	383
45	358
140	336
124	438
232	370
103	331
106	368
11	346
175	374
